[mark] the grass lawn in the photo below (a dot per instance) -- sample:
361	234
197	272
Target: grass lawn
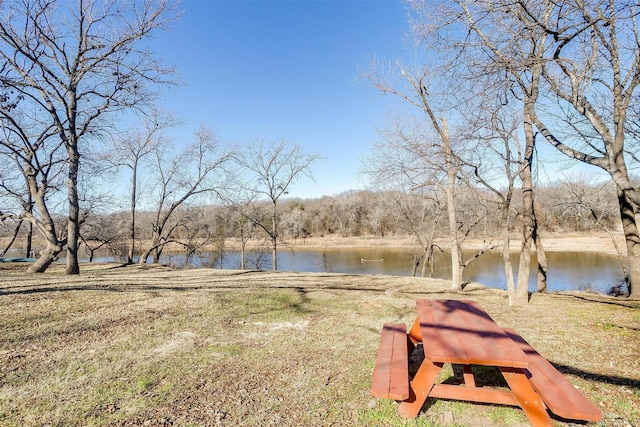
135	345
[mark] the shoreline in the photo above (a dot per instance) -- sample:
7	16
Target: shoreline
599	242
552	242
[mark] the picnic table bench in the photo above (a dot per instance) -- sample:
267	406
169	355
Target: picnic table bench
391	376
462	333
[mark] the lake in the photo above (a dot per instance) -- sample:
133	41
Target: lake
567	270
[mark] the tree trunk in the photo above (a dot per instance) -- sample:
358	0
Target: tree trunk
274	238
45	224
243	244
13	239
541	256
144	256
29	241
274	256
29	238
48	255
73	226
506	247
508	267
416	263
456	269
632	239
521	296
132	225
428	250
428	260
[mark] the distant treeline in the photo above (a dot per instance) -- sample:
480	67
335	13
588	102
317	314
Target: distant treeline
564	206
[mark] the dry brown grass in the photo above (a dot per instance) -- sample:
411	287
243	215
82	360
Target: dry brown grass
154	346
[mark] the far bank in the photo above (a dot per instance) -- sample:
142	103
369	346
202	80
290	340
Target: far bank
553	242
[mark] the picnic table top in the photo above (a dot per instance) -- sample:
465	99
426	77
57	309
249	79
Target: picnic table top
462	332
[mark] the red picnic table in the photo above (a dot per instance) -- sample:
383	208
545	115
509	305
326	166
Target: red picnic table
462	333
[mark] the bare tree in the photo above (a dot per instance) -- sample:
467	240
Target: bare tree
585	202
15	200
437	150
593	71
503	59
272	168
101	232
587	54
499	146
422	211
10	198
131	150
408	171
72	66
207	227
246	211
198	171
32	176
346	213
16	232
294	220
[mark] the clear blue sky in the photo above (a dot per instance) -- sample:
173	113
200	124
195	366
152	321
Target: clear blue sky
286	69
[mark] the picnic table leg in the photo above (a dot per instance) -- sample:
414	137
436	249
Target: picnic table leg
529	400
414	334
419	389
469	379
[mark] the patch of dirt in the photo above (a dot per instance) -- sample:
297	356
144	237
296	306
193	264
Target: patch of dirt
279	326
180	341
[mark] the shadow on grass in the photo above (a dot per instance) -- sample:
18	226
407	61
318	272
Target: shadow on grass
597	298
592	376
185	287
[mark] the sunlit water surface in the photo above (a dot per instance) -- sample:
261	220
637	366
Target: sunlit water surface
567	270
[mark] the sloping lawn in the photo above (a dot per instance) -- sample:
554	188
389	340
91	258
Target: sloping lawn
155	346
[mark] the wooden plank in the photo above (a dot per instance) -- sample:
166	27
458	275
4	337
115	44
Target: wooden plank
471	333
487	351
473	394
467	374
449	348
415	335
420	387
399	381
382	371
461	332
560	396
391	373
434	348
496	342
530	402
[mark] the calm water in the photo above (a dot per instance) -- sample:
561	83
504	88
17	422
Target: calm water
567	270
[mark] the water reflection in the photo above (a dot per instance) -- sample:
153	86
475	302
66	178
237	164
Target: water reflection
567	270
